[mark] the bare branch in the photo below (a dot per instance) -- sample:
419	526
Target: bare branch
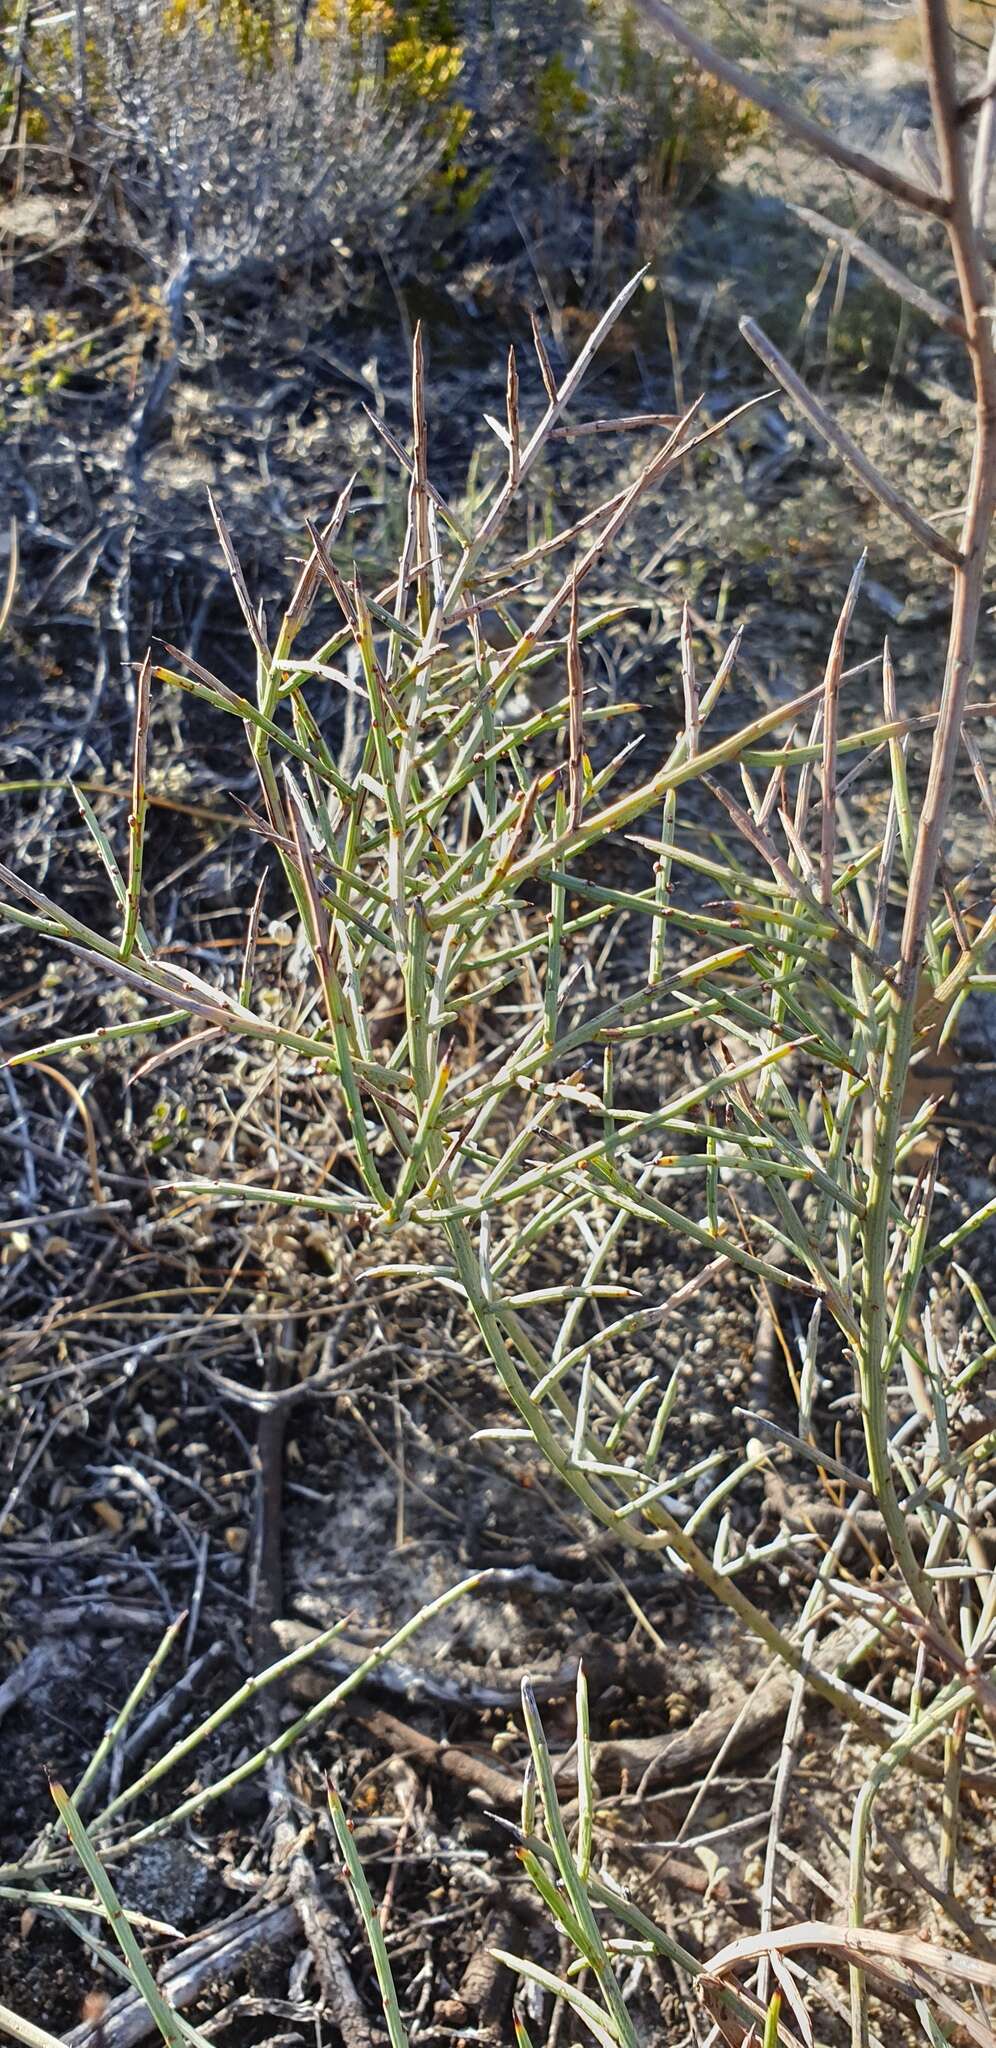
575	699
549	380
831	701
968	257
985	145
234	568
512	416
689	684
880	266
811	133
840	440
530	454
966	246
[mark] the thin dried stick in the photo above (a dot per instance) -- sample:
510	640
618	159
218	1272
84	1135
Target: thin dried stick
981	776
10	589
546	371
841	442
812	134
238	581
575	702
966	607
674	451
831	698
495	517
139	808
870	259
689	686
985	145
405	462
419	499
954	1758
252	937
792	883
306	588
512	415
786	1765
628	423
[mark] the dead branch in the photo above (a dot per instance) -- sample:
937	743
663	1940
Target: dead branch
214	1957
811	134
854	245
841	442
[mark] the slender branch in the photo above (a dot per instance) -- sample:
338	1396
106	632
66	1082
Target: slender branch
831	702
811	134
974	289
841	442
985	145
904	287
966	605
974	102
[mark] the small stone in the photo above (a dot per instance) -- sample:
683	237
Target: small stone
167	1881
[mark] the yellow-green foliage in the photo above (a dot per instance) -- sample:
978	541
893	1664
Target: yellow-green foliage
40	351
424	75
48	348
415	49
253	29
46	48
639	104
606	97
561	105
411	52
366	24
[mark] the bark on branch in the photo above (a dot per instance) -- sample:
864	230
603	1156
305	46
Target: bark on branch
811	134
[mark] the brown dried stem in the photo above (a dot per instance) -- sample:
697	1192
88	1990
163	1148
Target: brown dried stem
871	259
843	445
822	141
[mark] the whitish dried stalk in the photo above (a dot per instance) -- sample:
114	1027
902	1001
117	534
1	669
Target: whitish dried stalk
575	730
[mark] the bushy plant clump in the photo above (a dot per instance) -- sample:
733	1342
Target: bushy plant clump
232	129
